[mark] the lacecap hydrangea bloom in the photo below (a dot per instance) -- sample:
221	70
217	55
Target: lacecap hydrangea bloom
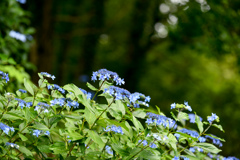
104	74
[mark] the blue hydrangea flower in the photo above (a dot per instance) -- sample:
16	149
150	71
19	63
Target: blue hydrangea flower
192	117
45	74
230	158
47	133
173	105
6	128
56	87
17	36
88	94
144	142
153	145
162	120
176	158
42	105
184	158
109	150
22	90
149	121
104	74
212	118
191	149
4	76
214	140
21	1
187	106
114	129
13	145
189	132
202	139
36	132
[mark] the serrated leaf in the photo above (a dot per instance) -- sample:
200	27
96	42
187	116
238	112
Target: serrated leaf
28	87
24	150
208	147
91	87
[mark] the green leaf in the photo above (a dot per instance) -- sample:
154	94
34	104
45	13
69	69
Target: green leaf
147	154
23	138
13	115
96	138
139	113
158	109
54	119
89	116
26	151
218	126
183	115
75	136
208	147
199	123
91	87
44	148
28	87
174	117
137	124
120	149
40	126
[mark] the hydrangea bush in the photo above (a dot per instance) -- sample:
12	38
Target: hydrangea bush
49	121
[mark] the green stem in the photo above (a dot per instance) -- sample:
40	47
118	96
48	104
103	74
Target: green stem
24	128
98	90
100	115
35	94
5	109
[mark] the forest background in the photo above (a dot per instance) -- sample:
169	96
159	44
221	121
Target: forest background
172	50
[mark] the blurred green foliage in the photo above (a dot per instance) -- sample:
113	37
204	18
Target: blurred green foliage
13	52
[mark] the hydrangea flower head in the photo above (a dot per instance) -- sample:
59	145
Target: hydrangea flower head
104	74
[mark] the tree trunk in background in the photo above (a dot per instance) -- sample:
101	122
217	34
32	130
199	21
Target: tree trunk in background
90	41
139	41
42	55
